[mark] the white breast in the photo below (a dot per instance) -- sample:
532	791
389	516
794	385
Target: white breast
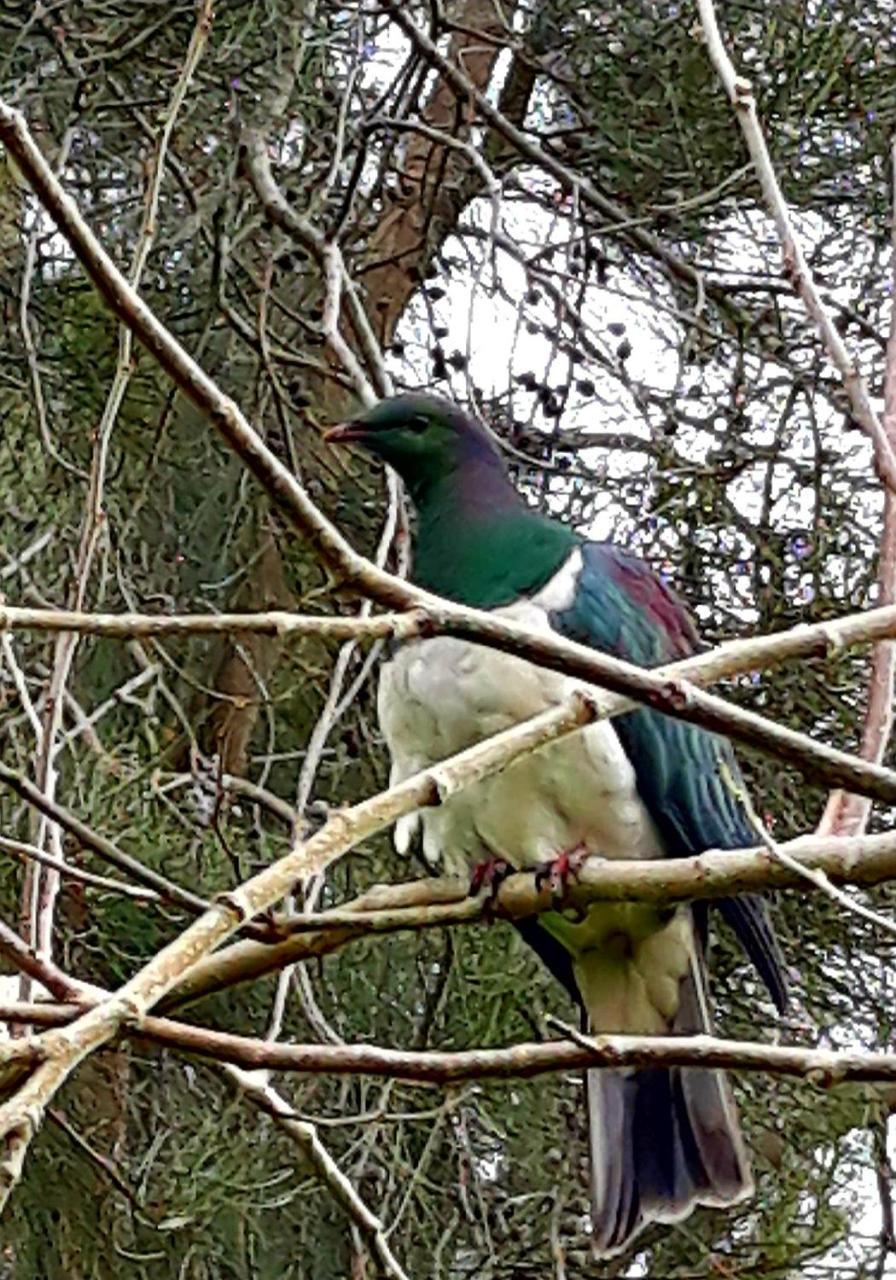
439	696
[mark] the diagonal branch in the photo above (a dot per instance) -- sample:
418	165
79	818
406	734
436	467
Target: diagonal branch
861	862
100	845
66	1048
740	94
306	1137
39	969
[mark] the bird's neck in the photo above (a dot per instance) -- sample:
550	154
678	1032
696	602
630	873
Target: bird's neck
479	544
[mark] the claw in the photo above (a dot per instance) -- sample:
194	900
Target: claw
557	872
489	875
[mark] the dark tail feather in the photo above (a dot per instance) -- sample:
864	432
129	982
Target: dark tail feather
662	1141
748	917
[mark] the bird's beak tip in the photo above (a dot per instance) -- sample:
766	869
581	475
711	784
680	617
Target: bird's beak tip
344	432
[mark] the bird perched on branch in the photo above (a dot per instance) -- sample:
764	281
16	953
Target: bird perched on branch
643	785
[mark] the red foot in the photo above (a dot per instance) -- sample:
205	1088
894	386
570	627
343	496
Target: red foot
557	872
489	875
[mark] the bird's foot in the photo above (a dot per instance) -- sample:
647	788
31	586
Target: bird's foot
489	875
557	872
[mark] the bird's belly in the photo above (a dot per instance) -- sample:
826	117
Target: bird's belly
439	696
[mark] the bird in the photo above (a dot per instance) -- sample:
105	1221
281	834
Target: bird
643	785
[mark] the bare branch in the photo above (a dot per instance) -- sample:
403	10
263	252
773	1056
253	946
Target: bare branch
813	875
68	1047
862	862
100	845
24	852
329	257
436	616
846	814
306	1137
740	94
822	1067
38	968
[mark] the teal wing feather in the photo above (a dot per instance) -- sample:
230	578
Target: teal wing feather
622	607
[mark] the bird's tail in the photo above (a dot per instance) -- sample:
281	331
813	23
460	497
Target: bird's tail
662	1140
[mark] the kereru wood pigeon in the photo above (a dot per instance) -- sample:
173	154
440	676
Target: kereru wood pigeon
643	785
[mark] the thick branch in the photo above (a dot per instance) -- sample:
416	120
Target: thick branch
863	861
529	149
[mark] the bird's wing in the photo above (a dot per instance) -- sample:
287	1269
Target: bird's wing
684	773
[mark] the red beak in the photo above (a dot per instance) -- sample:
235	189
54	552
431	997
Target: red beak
344	432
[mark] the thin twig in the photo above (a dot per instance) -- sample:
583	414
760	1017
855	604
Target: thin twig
812	874
847	814
19	849
740	94
38	968
106	1166
100	845
305	1136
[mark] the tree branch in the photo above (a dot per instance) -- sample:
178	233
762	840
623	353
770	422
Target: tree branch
28	852
846	814
305	1136
823	1067
66	1048
740	94
861	862
100	845
435	616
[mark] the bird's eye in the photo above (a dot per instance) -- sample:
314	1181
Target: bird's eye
419	423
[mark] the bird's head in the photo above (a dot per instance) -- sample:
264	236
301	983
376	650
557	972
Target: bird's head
425	438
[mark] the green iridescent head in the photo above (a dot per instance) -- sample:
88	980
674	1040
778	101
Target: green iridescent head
424	437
